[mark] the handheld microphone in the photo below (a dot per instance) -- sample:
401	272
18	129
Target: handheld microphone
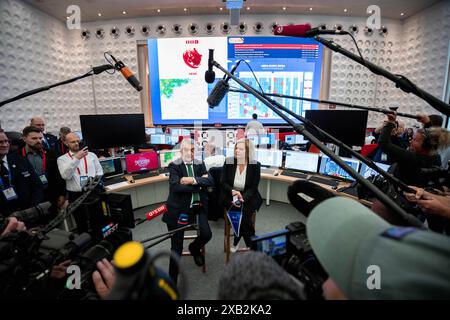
156	212
303	31
210	75
220	89
127	74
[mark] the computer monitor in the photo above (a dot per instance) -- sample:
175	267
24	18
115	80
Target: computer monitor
139	162
254	139
269	158
111	167
295	139
151	131
180	132
303	161
348	126
267	139
158	139
167	156
366	171
113	130
330	168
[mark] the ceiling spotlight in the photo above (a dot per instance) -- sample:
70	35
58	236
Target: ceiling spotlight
273	26
353	29
310	9
115	32
242	28
284	8
177	29
368	31
100	33
248	8
85	34
258	27
145	30
402	14
193	28
225	28
124	12
209	28
161	29
345	10
99	14
185	9
338	27
220	8
383	31
129	30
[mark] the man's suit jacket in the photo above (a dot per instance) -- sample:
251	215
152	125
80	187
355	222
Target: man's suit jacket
56	184
179	200
52	143
252	197
27	185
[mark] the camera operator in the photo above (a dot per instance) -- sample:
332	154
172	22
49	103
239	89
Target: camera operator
76	166
368	258
104	278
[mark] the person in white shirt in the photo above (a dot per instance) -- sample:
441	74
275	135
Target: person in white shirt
212	159
254	127
75	167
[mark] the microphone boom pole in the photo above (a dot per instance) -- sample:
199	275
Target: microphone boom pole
300	128
341	104
400	81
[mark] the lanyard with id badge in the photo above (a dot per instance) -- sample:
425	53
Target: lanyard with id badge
83	179
8	192
43	176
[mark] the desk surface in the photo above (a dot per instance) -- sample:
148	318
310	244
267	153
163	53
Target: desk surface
279	178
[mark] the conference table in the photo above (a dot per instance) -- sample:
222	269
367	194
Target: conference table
155	189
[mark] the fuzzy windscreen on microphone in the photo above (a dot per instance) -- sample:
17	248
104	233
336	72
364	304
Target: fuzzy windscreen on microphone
255	276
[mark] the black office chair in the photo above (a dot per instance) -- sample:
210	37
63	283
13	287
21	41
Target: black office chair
215	211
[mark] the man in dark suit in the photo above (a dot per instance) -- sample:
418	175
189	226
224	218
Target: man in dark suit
188	198
49	141
44	163
19	184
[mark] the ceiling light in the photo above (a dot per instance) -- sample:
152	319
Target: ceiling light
124	12
310	9
284	8
99	14
220	8
402	14
185	9
248	8
158	10
345	10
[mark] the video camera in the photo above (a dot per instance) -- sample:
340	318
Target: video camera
290	248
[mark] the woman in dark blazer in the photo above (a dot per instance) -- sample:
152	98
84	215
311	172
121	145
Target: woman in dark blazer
240	177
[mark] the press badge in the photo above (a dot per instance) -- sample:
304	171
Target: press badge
9	193
83	180
43	179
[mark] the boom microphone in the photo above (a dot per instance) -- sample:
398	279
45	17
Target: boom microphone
210	75
303	31
156	212
127	74
220	89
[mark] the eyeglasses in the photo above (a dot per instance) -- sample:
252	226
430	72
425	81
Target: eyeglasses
4	141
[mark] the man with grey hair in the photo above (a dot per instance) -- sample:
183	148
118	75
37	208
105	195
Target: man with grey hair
187	203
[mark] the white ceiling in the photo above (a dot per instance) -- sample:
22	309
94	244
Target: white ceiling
112	9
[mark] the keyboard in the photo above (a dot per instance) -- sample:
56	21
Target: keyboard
349	191
115	180
326	181
294	174
268	170
145	175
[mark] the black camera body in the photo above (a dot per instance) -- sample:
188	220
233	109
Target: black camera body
291	249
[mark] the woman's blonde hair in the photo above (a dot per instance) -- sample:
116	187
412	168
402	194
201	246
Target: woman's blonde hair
435	138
